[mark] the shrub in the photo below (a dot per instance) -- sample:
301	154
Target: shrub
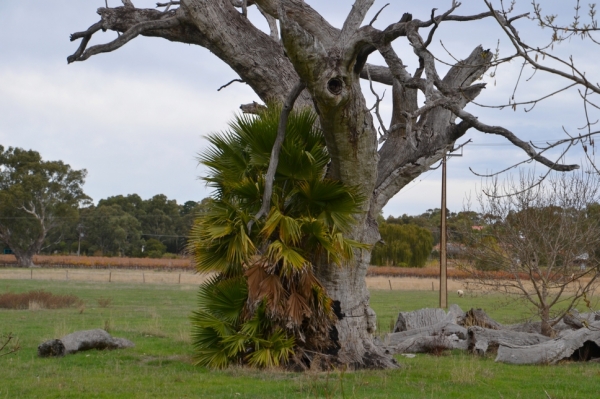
39	299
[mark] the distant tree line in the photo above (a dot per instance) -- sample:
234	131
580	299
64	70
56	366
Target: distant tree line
408	241
43	209
127	226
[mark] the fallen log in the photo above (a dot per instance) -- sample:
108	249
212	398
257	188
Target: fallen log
582	344
429	344
477	317
481	339
82	341
419	318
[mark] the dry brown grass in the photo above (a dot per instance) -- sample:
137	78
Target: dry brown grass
416	272
433	271
102	262
35	300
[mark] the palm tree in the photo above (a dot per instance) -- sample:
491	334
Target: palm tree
265	305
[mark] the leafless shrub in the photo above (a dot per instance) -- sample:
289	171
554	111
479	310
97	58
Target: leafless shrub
546	237
9	345
104	302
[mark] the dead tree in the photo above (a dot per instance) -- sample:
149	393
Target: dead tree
330	61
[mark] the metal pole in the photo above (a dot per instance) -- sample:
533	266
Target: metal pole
443	243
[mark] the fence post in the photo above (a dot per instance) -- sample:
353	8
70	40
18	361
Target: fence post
144	277
31	274
179	282
110	276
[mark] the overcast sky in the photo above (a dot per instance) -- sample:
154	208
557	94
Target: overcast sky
136	118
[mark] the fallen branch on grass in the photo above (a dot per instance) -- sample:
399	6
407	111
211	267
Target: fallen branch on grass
82	341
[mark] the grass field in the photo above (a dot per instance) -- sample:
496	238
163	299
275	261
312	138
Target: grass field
155	317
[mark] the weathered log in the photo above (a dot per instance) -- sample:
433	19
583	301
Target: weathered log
82	341
535	327
455	314
481	339
429	344
446	327
52	348
573	319
582	344
419	318
93	339
478	317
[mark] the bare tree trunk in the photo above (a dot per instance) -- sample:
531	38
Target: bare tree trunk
24	258
547	329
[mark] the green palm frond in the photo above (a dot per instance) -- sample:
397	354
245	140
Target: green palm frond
219	240
331	201
273	351
287	229
224	297
289	257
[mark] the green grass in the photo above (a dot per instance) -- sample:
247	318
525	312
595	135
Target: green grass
156	318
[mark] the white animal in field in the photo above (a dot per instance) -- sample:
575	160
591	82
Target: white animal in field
460	293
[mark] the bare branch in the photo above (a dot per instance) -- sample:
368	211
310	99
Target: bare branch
529	150
377	15
167	5
14	348
240	3
356	16
379	74
245	8
432	31
523	51
384	136
534	102
272	24
274	161
87	35
232	81
123	39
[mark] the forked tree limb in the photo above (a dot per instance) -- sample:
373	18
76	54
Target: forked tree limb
130	34
356	16
274	161
86	35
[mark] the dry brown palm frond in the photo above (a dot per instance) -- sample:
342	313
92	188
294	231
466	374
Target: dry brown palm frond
297	308
306	282
273	290
255	275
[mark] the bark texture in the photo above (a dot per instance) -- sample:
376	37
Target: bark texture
481	339
331	62
419	318
579	340
582	344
